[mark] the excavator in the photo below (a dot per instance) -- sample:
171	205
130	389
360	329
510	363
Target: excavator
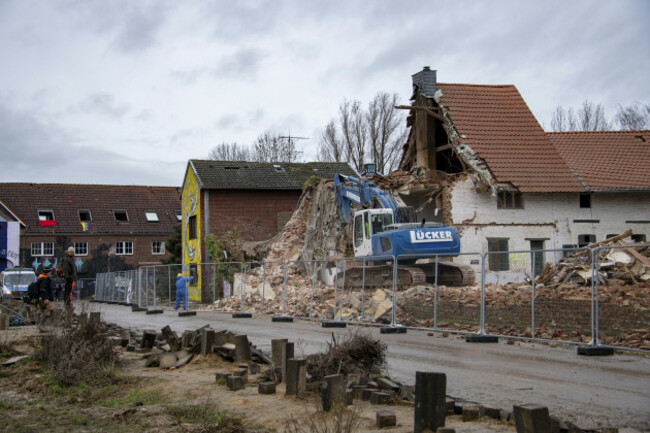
384	227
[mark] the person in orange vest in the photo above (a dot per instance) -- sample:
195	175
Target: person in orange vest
45	295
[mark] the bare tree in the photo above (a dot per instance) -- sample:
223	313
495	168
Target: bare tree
272	148
359	136
330	148
229	152
589	117
633	117
387	130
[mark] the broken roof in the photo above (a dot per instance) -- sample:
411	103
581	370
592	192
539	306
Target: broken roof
65	201
263	175
607	160
495	122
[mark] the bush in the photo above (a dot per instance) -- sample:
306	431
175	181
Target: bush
79	355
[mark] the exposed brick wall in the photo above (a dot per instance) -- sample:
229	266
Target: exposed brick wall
253	212
98	246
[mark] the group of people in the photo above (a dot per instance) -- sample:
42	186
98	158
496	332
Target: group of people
46	286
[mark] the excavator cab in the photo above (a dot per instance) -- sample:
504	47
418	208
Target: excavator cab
368	222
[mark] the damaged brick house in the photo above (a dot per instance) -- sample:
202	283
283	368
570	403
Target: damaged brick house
111	227
480	161
256	198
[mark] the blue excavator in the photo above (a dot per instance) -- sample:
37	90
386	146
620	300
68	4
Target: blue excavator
383	227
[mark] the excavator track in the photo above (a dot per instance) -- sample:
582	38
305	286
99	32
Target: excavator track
381	276
408	276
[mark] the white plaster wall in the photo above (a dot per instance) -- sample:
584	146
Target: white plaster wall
544	216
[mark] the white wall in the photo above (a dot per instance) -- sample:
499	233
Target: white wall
548	216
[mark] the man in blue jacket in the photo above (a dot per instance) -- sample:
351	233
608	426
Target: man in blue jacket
181	290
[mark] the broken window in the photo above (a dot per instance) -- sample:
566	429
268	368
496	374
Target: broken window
498	254
124	248
191	227
85	215
152	216
638	239
584	240
120	215
585	200
509	200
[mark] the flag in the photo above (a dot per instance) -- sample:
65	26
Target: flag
85	226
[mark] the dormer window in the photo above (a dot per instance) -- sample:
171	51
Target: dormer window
85	215
120	215
46	217
152	216
179	215
278	168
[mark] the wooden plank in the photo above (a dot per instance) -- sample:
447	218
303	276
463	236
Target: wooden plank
643	259
610	240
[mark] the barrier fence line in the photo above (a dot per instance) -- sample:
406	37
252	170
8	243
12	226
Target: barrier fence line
498	304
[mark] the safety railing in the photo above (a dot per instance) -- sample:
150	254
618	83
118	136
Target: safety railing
575	296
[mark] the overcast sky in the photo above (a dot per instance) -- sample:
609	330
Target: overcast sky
127	91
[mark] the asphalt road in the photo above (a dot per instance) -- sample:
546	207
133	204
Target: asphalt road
591	392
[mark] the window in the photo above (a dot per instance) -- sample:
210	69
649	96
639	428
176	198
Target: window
120	215
157	247
124	248
585	200
81	248
584	240
638	239
46	217
509	200
84	215
498	259
610	235
568	250
194	273
358	230
42	249
152	216
192	227
179	215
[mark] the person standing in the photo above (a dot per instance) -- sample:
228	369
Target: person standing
45	295
181	290
69	272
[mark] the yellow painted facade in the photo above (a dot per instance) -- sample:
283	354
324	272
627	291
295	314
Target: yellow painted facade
191	202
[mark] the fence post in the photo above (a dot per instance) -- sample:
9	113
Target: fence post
284	288
532	301
313	286
363	290
154	288
336	285
595	338
243	285
169	285
435	296
482	330
263	284
395	264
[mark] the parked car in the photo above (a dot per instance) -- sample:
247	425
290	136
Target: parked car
15	282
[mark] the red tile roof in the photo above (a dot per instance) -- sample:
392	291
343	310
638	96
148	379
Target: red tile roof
65	200
496	123
610	160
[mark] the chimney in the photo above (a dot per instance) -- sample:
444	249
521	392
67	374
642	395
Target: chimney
425	82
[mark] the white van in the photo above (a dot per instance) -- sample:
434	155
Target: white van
15	282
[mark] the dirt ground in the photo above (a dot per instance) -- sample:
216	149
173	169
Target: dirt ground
187	399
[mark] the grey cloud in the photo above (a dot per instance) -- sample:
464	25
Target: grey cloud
243	20
33	151
104	104
133	25
244	63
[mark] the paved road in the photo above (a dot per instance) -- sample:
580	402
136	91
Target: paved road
589	391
